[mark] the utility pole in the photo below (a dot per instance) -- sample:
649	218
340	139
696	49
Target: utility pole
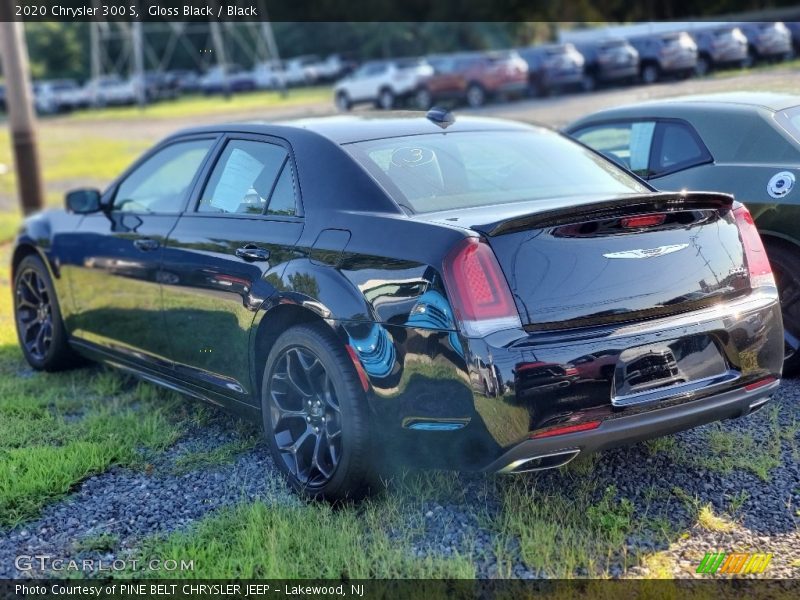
21	116
138	63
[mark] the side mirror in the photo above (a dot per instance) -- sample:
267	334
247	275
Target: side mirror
83	201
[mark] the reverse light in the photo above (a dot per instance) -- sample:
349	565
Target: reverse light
589	425
757	261
478	291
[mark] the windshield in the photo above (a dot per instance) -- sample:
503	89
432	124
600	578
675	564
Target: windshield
789	119
444	171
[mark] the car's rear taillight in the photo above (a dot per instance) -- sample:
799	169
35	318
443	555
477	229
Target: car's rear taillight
478	289
757	260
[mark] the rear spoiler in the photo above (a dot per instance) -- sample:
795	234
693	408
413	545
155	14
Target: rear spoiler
614	207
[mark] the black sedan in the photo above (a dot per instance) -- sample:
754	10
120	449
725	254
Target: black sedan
471	294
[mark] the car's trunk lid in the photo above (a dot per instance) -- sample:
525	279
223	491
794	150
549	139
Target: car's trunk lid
628	258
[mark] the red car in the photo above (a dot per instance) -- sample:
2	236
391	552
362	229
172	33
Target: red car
473	78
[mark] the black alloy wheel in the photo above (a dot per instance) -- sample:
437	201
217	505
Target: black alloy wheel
34	314
305	415
315	415
40	330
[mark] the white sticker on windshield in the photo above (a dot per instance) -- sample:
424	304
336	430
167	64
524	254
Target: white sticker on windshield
781	184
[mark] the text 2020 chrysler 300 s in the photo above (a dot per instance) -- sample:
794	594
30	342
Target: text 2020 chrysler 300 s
471	294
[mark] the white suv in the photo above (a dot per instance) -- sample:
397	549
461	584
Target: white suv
382	82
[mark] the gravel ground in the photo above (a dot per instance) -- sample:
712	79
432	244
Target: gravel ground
133	504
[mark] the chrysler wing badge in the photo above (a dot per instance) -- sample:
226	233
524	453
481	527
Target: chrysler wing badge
647	252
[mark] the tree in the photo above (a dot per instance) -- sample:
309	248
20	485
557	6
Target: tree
57	49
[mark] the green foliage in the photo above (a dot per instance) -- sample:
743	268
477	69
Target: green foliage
57	50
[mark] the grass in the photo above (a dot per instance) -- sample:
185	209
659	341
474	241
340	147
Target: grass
92	160
564	533
712	522
101	542
57	429
300	541
195	106
84	151
760	67
221	455
723	450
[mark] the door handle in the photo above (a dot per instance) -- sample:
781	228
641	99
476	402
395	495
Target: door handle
146	244
251	252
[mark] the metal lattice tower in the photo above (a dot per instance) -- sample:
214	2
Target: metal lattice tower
122	48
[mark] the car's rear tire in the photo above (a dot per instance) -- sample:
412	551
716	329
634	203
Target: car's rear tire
40	328
785	263
315	415
476	95
386	99
650	73
589	82
424	98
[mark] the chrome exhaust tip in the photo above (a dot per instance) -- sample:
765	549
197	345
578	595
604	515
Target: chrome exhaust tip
541	462
758	404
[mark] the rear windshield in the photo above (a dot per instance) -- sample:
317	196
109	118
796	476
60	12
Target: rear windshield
445	171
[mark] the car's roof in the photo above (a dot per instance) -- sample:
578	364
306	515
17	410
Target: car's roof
728	101
770	100
345	129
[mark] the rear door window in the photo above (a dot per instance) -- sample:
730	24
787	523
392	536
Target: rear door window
250	177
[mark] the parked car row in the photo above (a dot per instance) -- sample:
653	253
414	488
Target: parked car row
474	78
62	95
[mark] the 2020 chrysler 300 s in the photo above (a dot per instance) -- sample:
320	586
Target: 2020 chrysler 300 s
465	294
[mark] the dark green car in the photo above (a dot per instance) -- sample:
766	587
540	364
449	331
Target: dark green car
744	143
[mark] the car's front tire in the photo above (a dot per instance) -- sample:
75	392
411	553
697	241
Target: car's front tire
476	95
703	66
343	102
315	415
40	329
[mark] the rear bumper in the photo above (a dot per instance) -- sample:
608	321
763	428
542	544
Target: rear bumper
450	402
729	55
678	62
626	430
614	72
509	87
562	78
